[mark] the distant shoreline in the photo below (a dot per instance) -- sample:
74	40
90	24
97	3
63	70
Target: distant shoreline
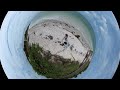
39	34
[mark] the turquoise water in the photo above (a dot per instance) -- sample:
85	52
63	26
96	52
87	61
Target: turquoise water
72	17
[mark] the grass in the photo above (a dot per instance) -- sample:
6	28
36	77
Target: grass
42	64
79	70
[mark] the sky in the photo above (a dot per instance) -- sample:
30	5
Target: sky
104	61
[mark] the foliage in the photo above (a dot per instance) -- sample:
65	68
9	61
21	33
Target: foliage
42	64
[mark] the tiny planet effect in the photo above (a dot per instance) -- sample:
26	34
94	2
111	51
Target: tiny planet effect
99	28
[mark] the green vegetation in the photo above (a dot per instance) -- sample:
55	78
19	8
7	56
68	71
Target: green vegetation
81	68
44	66
51	66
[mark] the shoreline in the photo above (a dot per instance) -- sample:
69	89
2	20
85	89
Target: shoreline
33	32
45	28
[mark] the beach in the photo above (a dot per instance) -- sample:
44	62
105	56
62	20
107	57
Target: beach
59	38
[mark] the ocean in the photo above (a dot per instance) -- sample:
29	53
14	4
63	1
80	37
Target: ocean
71	17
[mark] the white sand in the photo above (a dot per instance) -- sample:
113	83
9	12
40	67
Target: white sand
40	34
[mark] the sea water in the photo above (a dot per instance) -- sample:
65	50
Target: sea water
107	39
73	18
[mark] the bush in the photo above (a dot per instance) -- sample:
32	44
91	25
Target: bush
42	64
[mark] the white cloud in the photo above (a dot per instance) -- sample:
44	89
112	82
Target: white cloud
94	14
87	12
103	30
104	19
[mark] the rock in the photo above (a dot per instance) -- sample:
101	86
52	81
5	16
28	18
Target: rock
77	36
51	37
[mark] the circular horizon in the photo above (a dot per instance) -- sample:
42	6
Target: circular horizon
104	33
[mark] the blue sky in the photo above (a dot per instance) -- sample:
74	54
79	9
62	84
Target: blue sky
104	61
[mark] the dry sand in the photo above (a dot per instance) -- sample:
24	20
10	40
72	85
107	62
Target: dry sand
59	38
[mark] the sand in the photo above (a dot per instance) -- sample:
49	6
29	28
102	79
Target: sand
59	38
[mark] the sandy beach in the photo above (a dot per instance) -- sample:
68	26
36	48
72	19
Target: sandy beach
59	38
